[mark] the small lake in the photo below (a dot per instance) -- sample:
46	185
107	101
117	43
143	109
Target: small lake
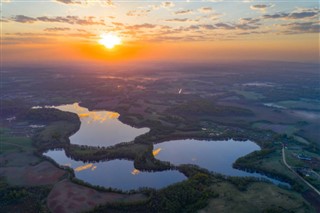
100	128
119	174
215	156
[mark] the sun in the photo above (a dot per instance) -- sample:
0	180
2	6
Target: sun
109	40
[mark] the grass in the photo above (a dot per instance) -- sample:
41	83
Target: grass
274	163
10	143
249	95
258	197
292	160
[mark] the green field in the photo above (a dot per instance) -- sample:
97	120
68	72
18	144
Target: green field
9	143
249	95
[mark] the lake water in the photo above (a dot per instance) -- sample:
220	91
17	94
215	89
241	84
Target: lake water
100	128
103	128
215	156
119	174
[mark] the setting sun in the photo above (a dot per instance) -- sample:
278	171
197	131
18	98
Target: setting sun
109	40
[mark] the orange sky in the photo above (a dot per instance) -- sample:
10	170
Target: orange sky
286	50
68	31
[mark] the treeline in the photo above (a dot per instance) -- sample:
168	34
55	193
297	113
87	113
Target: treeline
187	196
31	199
47	115
60	126
250	163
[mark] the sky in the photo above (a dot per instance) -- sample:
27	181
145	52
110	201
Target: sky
44	31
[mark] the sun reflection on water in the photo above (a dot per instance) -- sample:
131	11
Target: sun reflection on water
90	116
156	151
135	172
84	167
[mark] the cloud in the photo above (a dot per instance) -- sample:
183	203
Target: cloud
208	26
260	7
167	4
4	20
250	20
90	20
305	13
24	19
213	16
302	27
205	9
86	2
138	12
141	26
225	26
109	2
118	23
68	2
177	20
54	29
47	37
246	26
182	12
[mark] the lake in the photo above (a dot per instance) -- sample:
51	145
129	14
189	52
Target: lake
119	174
103	128
100	128
215	156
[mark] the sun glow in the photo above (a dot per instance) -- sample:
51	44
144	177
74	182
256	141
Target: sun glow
109	40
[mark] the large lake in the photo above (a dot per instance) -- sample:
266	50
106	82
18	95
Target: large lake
215	156
103	128
119	174
100	128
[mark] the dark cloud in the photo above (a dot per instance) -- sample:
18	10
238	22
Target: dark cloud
167	4
302	27
4	20
303	14
54	29
181	12
178	20
246	27
250	20
141	26
24	19
138	12
261	7
225	26
221	25
68	2
300	14
205	9
62	19
252	32
85	2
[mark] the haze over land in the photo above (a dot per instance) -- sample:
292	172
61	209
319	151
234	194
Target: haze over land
159	106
